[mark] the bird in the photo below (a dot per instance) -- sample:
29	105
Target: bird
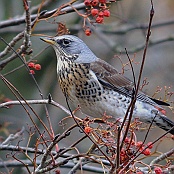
97	87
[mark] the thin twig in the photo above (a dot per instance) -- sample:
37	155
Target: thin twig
17	94
21	20
140	74
12	137
162	157
86	133
26	102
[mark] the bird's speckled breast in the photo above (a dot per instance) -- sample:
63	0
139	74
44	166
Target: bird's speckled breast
82	87
77	83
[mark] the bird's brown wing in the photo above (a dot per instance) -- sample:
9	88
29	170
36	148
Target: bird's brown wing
109	77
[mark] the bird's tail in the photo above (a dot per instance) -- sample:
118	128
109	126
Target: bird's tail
164	123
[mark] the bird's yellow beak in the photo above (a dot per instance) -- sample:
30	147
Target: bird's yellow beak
48	40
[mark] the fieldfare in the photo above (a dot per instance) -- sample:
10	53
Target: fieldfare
97	86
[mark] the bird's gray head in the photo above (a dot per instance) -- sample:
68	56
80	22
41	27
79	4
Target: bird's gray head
71	46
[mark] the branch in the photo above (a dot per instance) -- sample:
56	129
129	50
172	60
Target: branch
45	3
26	43
58	164
140	47
162	157
12	137
11	44
26	102
125	28
139	77
21	20
29	163
40	151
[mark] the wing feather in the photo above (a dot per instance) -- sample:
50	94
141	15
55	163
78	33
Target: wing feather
109	77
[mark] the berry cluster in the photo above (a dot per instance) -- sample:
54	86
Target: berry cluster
100	14
33	67
130	147
139	146
98	10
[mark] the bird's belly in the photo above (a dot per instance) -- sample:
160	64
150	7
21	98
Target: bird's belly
109	102
100	108
112	104
96	101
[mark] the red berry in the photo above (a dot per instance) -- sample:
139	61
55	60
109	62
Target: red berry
146	152
102	1
57	172
87	2
106	13
122	152
99	19
127	140
139	172
37	67
158	170
32	71
132	142
94	12
88	129
150	145
139	144
31	65
94	3
88	31
141	149
101	14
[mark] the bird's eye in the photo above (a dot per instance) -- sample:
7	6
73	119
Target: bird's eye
65	42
